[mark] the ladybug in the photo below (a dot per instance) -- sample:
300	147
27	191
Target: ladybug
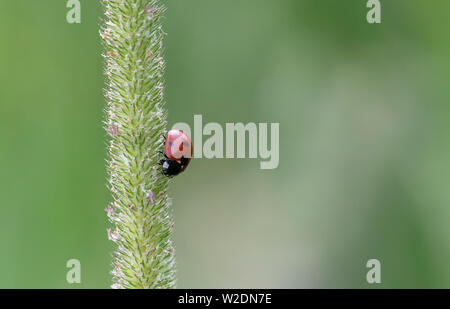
177	152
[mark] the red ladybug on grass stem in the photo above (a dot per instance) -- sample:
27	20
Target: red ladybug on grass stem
177	152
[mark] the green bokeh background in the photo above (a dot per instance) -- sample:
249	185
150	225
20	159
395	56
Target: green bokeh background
364	143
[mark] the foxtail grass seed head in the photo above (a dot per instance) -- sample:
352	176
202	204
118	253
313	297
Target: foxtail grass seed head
140	213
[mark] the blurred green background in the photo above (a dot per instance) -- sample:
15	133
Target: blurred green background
364	143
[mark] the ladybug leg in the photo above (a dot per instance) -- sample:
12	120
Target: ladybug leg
160	152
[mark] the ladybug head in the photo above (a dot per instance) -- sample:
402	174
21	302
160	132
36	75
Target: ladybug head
170	167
